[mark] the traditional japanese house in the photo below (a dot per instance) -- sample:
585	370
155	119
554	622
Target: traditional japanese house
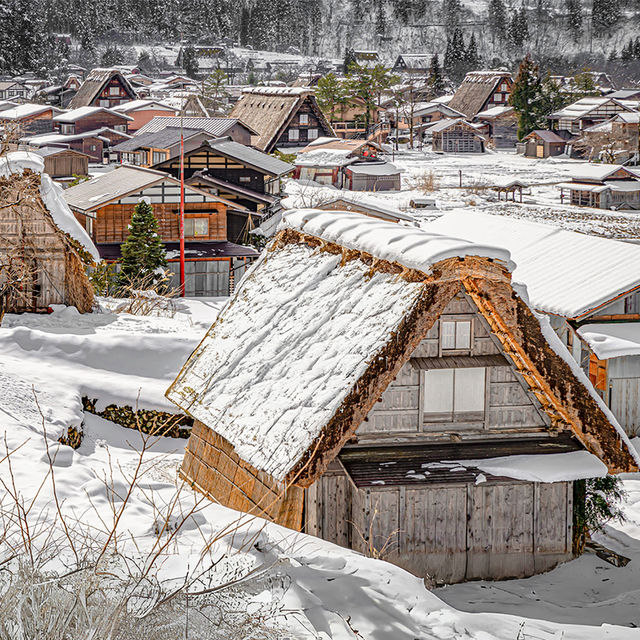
105	205
95	144
12	90
103	88
40	241
282	116
413	64
63	165
586	112
366	57
85	119
406	402
456	136
372	176
28	119
233	128
545	144
594	307
501	126
348	120
481	90
142	111
237	173
603	186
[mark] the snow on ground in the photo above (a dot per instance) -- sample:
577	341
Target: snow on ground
330	592
541	200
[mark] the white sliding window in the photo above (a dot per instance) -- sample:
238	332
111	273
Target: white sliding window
454	395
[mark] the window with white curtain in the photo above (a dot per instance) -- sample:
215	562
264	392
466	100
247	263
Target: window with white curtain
454	395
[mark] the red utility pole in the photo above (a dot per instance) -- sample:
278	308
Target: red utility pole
181	206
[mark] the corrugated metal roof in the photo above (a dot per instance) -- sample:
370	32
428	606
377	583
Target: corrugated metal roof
82	112
566	273
215	126
162	139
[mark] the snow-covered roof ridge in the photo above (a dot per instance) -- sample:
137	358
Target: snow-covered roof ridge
411	247
51	192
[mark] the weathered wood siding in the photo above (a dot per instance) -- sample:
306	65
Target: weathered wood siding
509	406
449	533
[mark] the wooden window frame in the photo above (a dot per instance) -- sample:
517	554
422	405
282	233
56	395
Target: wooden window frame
456	318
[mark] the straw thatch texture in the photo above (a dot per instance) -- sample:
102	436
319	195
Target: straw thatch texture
94	84
476	89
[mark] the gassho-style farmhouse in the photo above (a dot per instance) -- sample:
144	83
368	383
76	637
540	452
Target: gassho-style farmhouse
390	390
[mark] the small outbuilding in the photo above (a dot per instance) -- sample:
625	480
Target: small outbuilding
43	249
544	144
406	402
456	136
372	176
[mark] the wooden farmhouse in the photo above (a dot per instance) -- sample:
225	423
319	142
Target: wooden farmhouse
603	186
233	128
85	119
103	88
500	126
586	112
348	120
12	90
242	175
456	136
594	308
105	205
41	243
417	64
282	116
142	111
481	90
405	403
27	119
544	144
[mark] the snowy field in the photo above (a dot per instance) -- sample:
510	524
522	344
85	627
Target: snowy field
323	591
541	198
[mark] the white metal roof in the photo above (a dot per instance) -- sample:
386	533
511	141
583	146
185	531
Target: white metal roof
612	340
25	110
83	112
566	273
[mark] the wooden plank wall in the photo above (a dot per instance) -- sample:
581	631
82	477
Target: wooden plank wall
451	532
112	221
508	406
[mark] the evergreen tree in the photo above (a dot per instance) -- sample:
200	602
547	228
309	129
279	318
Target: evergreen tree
519	28
451	13
381	21
20	36
349	60
574	19
245	18
604	15
402	10
190	61
626	55
331	95
471	57
454	57
497	19
436	80
525	96
143	253
145	64
112	56
636	48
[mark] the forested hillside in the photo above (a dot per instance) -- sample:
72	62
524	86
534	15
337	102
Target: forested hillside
561	33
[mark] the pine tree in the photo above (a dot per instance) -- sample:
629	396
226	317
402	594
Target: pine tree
519	28
436	80
636	48
525	96
245	18
142	252
604	15
349	60
190	62
454	57
381	21
471	57
331	95
451	12
626	55
574	19
112	56
497	19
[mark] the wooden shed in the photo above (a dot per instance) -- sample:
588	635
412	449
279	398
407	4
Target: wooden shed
544	144
64	163
456	136
40	241
406	402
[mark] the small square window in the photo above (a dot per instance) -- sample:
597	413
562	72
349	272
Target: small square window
454	395
304	118
455	334
312	134
294	134
114	91
195	227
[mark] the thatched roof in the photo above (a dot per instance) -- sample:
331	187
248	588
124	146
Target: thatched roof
269	110
333	310
93	85
476	89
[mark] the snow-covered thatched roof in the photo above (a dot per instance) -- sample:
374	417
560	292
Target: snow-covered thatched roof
325	319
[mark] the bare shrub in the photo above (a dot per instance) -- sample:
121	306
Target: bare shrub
151	295
18	274
425	182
